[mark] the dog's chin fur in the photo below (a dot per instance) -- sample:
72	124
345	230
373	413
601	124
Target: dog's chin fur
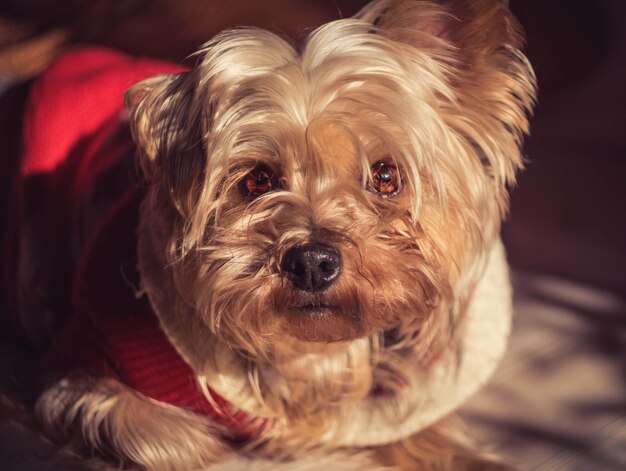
438	89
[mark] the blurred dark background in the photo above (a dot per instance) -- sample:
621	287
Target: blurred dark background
569	213
558	401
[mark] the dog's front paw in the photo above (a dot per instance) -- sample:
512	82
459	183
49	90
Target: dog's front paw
104	417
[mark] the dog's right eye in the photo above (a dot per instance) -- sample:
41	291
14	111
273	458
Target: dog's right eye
385	179
259	181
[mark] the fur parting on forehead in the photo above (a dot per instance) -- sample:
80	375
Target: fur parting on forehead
266	95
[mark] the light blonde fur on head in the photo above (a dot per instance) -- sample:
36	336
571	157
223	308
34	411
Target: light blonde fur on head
438	89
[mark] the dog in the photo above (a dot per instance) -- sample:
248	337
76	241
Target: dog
310	264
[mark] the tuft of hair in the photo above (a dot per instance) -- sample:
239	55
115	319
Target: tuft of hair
444	446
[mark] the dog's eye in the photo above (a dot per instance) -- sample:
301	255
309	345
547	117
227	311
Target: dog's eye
259	181
385	179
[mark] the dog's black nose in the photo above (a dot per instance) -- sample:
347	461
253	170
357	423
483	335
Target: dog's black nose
312	267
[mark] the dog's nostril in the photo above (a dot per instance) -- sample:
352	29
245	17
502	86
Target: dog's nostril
312	267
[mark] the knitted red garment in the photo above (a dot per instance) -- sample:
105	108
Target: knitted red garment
74	126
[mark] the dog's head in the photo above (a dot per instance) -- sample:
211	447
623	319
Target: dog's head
343	188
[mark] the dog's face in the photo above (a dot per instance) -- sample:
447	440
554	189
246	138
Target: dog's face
345	188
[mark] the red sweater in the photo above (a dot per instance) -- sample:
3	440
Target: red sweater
75	127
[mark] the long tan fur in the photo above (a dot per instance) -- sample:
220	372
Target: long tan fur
440	90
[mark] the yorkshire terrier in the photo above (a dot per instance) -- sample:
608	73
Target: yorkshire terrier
319	270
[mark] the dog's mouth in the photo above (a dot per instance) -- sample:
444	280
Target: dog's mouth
319	319
318	309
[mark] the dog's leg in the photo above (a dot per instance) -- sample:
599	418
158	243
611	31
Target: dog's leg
112	420
442	447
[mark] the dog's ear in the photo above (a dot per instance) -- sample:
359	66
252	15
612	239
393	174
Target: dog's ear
167	123
478	43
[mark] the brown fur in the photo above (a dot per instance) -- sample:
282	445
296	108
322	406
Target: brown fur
437	88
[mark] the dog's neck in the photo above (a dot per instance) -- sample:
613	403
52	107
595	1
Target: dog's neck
302	378
333	381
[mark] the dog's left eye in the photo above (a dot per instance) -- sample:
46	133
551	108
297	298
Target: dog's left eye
259	181
385	179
